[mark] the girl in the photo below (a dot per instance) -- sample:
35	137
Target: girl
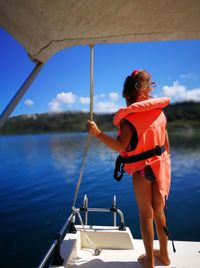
144	151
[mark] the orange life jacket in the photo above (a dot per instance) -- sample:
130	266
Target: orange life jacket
150	123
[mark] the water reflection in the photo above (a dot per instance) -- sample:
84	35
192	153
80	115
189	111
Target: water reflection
66	152
185	152
185	161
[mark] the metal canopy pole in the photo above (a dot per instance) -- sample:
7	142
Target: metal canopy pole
20	93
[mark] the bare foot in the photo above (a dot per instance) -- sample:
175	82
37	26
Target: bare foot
145	262
164	258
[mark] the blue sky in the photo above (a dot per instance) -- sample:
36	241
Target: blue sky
63	83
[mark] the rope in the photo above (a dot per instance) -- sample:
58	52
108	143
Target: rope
97	251
89	138
91	80
88	142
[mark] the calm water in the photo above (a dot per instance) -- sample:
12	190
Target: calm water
38	175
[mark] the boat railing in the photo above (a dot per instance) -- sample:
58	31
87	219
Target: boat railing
53	254
113	209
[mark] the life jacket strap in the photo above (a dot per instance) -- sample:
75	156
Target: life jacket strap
158	150
166	229
120	161
167	233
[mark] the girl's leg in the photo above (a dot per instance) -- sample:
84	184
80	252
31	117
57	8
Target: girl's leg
160	221
143	195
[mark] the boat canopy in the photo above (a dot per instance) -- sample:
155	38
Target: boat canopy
45	27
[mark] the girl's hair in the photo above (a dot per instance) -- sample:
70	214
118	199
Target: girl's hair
137	87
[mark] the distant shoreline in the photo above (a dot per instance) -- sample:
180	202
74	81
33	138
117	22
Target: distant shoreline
183	116
172	128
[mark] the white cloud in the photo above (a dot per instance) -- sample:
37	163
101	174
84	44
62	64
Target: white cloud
186	76
113	96
84	100
179	92
66	98
105	107
175	89
55	105
103	103
29	102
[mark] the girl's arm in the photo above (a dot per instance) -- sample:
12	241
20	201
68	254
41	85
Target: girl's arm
116	145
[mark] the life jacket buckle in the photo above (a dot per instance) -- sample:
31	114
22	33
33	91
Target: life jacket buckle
119	168
157	150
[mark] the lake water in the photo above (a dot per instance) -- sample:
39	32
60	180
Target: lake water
38	175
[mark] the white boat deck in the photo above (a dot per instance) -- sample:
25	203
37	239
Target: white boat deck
119	249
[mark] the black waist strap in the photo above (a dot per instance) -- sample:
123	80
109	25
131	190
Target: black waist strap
158	150
119	164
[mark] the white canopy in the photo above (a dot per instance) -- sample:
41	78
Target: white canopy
44	27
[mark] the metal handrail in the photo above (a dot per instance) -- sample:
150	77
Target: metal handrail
59	237
85	204
115	214
112	209
115	210
53	254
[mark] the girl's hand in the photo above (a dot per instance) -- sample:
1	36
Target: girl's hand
92	128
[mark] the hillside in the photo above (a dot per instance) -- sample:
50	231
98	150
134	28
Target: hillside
184	115
57	122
